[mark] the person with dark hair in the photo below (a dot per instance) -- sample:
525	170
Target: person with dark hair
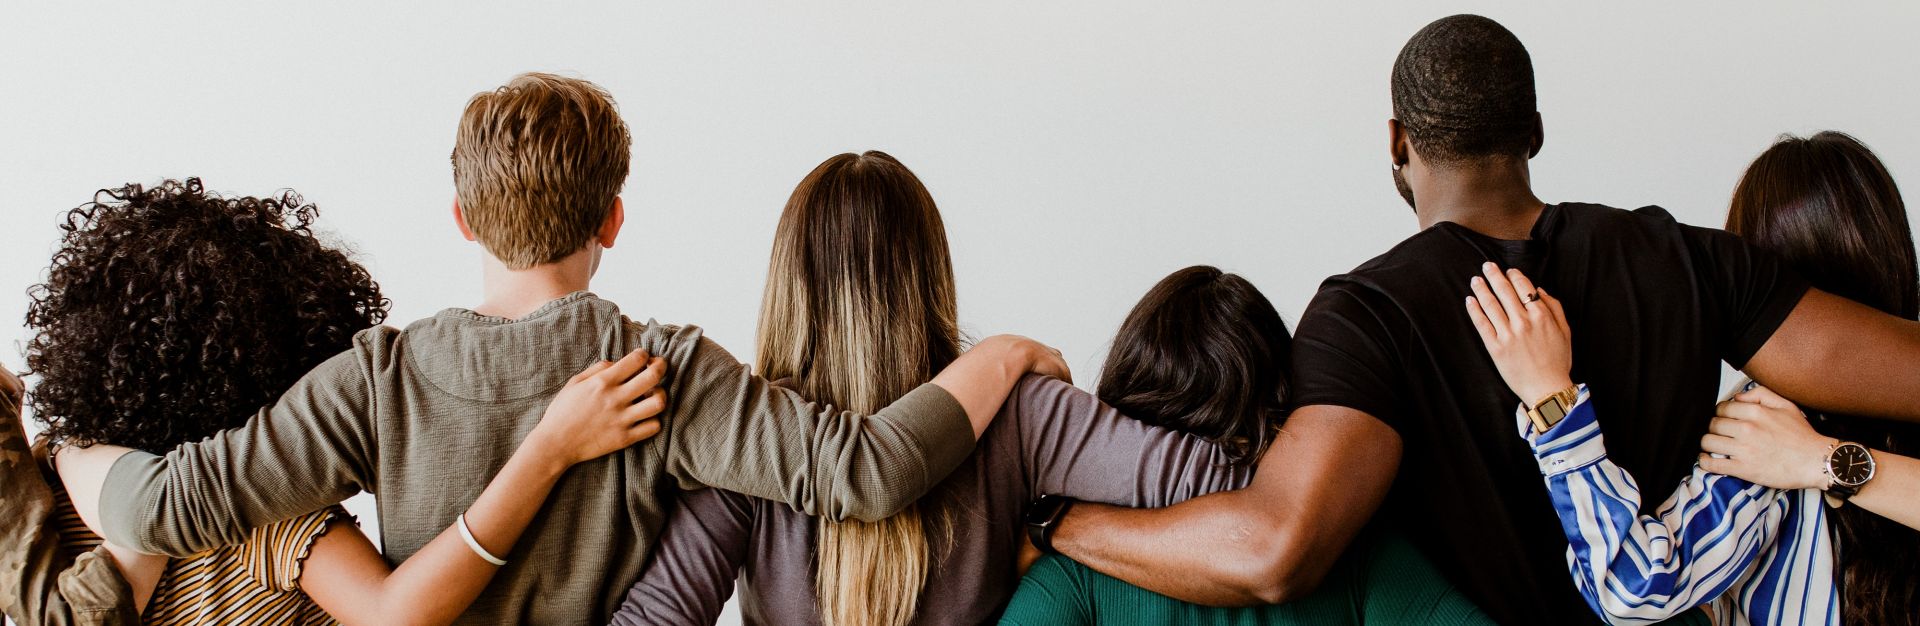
423	415
170	314
1755	555
1828	207
861	307
1205	353
1399	409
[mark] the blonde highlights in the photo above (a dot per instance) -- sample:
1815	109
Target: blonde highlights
859	310
537	164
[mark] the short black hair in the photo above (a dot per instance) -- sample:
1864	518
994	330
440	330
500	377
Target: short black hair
1203	352
170	313
1463	90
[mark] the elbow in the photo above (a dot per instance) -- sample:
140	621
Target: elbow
1278	570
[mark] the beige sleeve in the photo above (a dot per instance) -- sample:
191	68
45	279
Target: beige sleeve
730	429
311	449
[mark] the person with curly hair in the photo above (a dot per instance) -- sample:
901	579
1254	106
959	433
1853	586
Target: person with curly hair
170	314
423	415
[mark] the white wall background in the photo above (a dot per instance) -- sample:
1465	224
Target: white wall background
1078	150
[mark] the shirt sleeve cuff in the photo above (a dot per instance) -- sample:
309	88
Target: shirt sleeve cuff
123	514
1573	443
938	422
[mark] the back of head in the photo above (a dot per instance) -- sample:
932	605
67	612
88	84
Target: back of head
1203	352
170	314
537	165
1829	208
859	310
1463	89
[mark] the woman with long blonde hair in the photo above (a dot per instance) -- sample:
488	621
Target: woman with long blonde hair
860	308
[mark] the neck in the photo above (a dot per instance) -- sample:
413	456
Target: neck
512	293
1494	199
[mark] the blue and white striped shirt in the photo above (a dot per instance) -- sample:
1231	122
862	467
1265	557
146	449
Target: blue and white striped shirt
1759	555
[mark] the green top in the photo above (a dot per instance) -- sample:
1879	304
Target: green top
424	418
1382	580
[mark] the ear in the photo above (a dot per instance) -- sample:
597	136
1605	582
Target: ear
1398	147
610	229
460	218
1539	136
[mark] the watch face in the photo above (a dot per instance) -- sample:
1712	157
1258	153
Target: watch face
1851	464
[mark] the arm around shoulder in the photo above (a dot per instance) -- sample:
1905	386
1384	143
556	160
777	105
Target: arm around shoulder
312	448
1317	485
732	430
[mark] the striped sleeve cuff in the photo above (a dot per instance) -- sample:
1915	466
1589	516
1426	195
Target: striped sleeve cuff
1573	443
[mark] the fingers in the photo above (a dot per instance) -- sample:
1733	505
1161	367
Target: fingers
1523	287
648	407
1743	411
1490	304
1480	321
1558	312
624	368
1719	444
643	431
1503	289
1719	465
1766	397
1729	427
647	380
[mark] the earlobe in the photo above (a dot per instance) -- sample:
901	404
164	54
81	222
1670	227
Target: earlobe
460	219
610	230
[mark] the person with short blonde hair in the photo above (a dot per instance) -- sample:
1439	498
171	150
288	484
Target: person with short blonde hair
422	416
539	164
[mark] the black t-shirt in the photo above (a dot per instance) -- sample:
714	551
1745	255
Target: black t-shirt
1655	306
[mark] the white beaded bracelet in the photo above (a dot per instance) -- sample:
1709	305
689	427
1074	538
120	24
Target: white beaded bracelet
475	545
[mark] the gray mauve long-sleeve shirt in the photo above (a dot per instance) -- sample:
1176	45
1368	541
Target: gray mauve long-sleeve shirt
1049	438
426	416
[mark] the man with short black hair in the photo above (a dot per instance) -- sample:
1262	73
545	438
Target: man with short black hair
1399	404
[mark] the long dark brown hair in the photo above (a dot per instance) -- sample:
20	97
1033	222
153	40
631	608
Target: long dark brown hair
1827	206
1203	352
860	309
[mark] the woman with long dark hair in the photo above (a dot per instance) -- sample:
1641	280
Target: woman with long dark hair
1828	207
1791	553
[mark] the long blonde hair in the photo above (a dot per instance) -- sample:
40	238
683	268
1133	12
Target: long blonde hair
859	310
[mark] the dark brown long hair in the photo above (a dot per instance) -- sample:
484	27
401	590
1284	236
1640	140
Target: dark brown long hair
860	309
1203	352
1827	206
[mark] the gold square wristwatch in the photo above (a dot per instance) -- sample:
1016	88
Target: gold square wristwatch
1553	408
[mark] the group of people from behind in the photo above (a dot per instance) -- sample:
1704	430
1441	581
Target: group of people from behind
215	380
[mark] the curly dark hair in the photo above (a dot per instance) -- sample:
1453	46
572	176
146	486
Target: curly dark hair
1463	89
170	313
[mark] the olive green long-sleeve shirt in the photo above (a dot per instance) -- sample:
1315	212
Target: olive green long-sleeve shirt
424	417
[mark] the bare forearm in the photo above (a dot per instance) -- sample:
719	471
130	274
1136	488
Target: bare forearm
1265	544
982	378
438	583
1894	492
1839	356
1201	553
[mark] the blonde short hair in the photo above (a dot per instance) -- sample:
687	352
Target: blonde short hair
537	165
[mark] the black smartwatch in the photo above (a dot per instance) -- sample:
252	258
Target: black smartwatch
1043	516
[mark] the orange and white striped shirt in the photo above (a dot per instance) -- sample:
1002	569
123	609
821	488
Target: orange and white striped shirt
254	582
